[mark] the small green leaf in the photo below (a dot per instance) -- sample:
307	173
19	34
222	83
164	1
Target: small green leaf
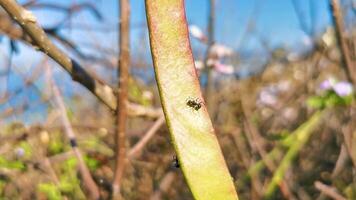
315	102
50	190
91	163
17	165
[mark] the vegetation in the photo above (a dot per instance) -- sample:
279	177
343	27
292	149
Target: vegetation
206	121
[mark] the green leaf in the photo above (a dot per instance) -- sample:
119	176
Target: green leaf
315	102
17	165
91	163
27	148
56	145
50	190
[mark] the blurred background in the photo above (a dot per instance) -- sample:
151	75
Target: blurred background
270	70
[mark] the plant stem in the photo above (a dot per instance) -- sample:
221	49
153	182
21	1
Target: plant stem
198	151
348	64
40	41
302	135
210	81
88	181
122	98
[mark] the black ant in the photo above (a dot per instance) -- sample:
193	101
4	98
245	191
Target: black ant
194	103
175	162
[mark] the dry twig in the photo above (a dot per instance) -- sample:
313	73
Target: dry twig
328	190
122	98
349	66
88	181
134	151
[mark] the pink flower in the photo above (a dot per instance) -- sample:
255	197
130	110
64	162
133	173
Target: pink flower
220	51
341	88
196	32
267	98
327	84
224	69
199	64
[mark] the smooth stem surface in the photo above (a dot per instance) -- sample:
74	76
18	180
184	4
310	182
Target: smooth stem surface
191	130
122	99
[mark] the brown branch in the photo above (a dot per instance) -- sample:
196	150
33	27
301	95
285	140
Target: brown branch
247	161
258	143
36	36
339	166
47	163
341	162
209	84
122	98
328	190
349	66
88	181
39	39
164	186
134	151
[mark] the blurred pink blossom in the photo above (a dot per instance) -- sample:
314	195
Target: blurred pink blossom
220	51
269	94
327	84
20	152
341	88
267	98
196	32
224	69
199	64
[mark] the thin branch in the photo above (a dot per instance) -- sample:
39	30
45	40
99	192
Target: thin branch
122	98
328	190
36	36
164	186
88	181
150	133
339	166
40	40
341	161
341	38
209	84
258	143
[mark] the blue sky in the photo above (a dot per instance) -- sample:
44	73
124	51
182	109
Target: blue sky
275	21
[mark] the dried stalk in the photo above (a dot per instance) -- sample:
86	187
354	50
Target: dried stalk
164	186
37	37
150	133
210	81
349	66
329	191
41	42
88	180
122	98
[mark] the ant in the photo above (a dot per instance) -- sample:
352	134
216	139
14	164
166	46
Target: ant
175	162
194	103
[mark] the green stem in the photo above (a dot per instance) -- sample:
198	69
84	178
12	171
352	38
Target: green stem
191	130
302	135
